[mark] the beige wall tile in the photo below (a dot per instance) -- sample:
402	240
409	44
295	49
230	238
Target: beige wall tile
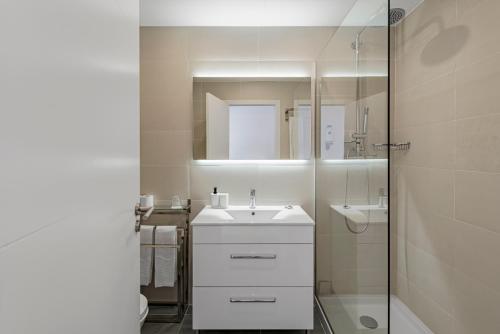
371	256
323	264
323	216
425	23
375	45
166	44
401	289
477	30
478	143
476	199
293	43
164	181
476	306
432	233
330	185
426	189
432	314
200	129
477	252
416	69
338	87
169	78
199	106
223	90
465	6
287	185
168	148
428	103
426	48
375	234
432	145
199	149
477	87
220	43
401	250
372	278
430	276
165	113
446	69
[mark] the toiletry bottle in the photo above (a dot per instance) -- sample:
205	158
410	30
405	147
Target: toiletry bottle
223	200
214	199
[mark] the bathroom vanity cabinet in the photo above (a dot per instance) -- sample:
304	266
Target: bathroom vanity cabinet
253	269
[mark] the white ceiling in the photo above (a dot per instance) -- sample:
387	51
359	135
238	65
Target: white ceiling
261	13
245	12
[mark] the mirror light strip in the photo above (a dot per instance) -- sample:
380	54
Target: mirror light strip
252	162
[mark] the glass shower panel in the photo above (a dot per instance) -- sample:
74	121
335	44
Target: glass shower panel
352	283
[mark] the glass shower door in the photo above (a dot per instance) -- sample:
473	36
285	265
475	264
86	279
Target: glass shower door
352	219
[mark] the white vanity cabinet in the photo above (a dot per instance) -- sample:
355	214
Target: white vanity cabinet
253	273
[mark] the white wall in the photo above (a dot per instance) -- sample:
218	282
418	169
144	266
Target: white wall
69	170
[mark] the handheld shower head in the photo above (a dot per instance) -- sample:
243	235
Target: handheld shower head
365	120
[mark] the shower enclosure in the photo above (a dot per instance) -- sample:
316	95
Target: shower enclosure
440	229
352	207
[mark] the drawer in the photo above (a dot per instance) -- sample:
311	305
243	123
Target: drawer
253	234
252	308
253	265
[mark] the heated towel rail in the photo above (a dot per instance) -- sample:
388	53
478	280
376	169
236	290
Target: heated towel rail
161	310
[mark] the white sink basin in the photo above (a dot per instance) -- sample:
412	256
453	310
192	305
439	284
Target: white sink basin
262	214
252	214
362	214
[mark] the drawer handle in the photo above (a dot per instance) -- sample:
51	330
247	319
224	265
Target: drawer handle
253	256
252	300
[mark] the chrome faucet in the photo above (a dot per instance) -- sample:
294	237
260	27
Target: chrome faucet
252	198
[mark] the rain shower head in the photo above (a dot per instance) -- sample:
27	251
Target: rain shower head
396	15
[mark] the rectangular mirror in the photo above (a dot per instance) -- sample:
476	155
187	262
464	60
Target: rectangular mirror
252	118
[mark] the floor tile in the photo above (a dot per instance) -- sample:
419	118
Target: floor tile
283	332
186	327
160	328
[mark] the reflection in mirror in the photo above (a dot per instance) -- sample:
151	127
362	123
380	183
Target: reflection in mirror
352	74
353	117
252	118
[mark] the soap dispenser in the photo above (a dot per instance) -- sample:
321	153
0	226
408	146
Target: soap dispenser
214	199
219	200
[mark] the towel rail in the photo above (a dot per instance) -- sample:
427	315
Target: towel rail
182	247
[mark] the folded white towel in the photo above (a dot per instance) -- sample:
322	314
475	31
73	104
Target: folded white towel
165	258
146	254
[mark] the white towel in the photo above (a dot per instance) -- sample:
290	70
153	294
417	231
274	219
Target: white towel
146	254
165	258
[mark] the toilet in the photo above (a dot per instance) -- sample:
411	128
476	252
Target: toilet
143	309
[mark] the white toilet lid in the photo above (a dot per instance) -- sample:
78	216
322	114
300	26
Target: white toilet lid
143	306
